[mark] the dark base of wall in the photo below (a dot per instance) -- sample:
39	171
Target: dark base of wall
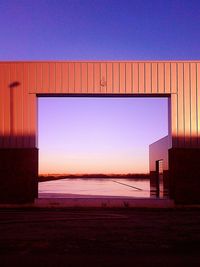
184	171
18	175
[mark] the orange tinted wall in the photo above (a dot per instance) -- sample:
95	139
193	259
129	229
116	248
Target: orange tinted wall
21	82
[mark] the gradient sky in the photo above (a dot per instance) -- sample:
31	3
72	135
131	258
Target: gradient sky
99	135
99	30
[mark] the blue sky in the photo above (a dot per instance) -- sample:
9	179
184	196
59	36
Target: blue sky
99	30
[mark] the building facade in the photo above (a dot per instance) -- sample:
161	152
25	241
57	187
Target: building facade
21	83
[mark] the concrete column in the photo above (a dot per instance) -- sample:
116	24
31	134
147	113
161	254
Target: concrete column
18	175
184	172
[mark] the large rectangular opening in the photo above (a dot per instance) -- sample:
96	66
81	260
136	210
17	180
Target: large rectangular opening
98	145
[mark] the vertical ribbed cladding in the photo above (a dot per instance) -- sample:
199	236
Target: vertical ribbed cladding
173	107
65	77
141	77
181	124
6	100
194	118
18	102
26	106
52	77
116	78
148	78
135	78
90	78
167	77
12	102
58	77
128	71
103	77
154	78
39	77
32	84
3	101
122	86
160	77
187	104
77	77
84	78
19	105
198	101
71	77
109	80
45	77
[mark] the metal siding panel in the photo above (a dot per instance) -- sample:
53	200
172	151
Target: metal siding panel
174	77
35	136
58	77
13	111
19	104
169	136
181	133
71	77
32	119
193	86
52	78
3	102
39	78
167	77
32	77
103	81
122	85
45	77
109	77
65	77
154	77
141	83
77	78
161	81
84	79
6	106
97	78
135	78
198	102
120	77
116	79
187	106
174	119
90	77
128	71
26	129
148	78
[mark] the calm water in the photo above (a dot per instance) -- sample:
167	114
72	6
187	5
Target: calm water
94	187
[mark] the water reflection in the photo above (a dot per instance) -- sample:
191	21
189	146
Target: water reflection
94	187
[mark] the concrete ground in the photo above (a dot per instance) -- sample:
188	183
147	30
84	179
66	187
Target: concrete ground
100	237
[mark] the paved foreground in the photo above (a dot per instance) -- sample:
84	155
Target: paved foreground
100	237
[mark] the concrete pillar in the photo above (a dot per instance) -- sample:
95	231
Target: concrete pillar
18	175
184	172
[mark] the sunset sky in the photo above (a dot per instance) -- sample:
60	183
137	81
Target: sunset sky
91	134
99	135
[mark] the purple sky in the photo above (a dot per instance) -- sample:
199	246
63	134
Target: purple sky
107	30
99	135
99	29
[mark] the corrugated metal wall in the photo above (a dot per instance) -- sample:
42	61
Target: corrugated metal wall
21	81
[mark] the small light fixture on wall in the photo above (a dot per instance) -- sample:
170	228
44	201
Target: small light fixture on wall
103	82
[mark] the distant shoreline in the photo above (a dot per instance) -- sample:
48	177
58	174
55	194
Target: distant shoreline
44	178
